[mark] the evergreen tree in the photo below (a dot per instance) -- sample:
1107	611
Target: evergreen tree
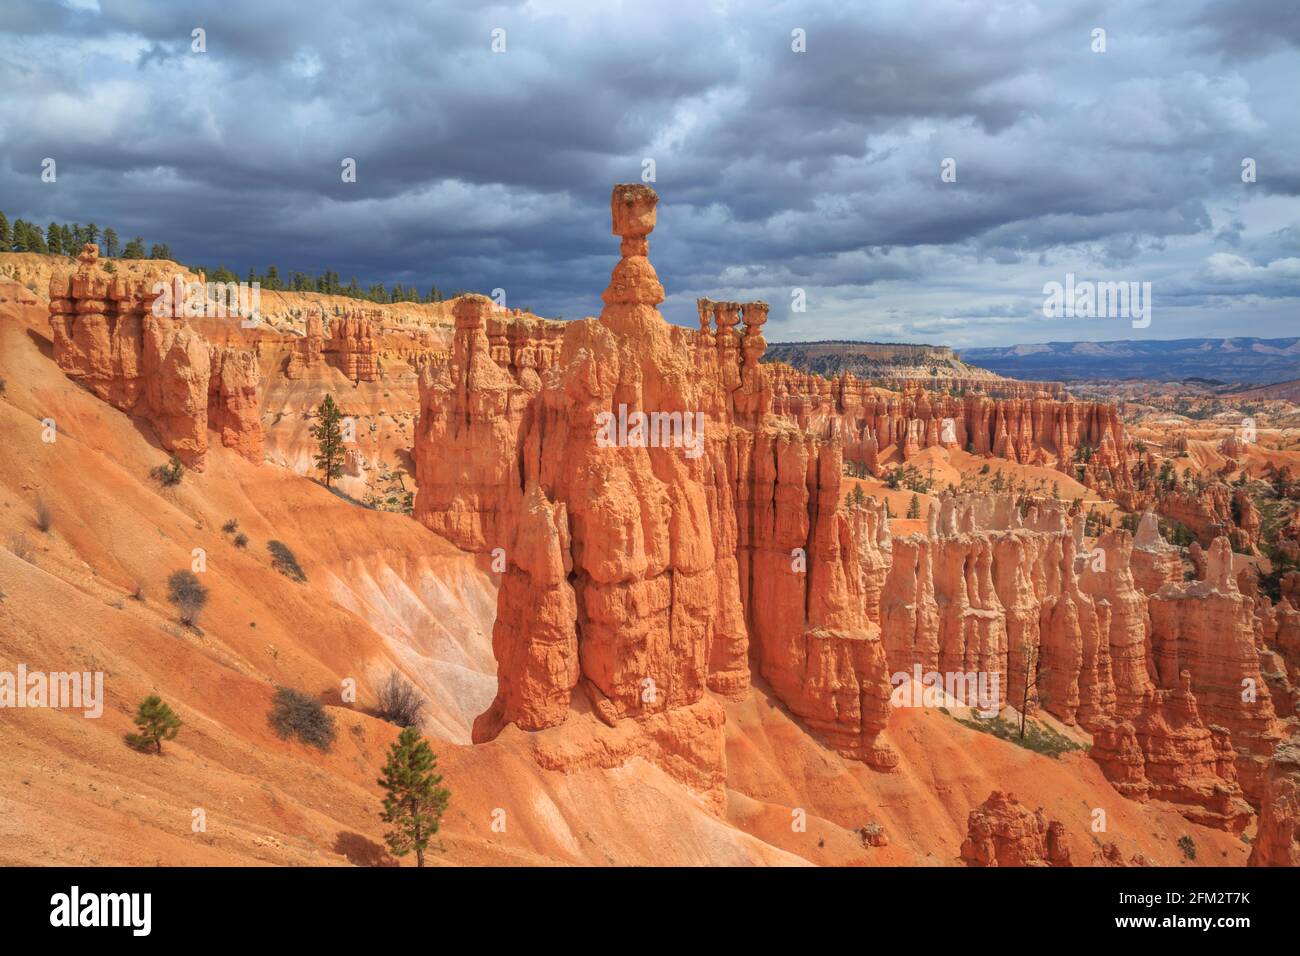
35	240
157	722
160	250
134	249
92	233
6	236
27	237
53	239
914	507
415	802
329	437
112	248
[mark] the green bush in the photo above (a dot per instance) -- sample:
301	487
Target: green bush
1039	738
169	474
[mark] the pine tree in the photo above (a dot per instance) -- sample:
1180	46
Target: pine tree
112	248
157	722
6	237
134	249
329	437
415	803
53	239
914	507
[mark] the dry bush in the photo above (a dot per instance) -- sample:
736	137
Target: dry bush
295	714
399	702
189	596
283	560
22	548
44	517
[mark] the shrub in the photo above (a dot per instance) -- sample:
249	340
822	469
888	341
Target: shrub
241	540
157	722
22	548
283	560
44	517
1188	846
1038	737
2	386
231	526
189	596
399	702
169	474
295	714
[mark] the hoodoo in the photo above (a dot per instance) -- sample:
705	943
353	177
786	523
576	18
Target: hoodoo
642	576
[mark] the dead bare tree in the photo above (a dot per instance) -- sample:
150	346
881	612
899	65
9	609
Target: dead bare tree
1031	656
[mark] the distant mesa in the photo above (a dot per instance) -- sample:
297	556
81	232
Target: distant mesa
899	365
1246	360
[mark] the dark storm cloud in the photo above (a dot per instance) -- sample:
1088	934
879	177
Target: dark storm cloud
777	170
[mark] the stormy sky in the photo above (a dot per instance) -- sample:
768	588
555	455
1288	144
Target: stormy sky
777	170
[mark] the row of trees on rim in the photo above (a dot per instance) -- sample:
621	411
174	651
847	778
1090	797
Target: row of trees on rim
414	798
63	239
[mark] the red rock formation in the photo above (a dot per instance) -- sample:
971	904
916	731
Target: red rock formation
643	572
1003	832
234	405
107	337
1168	753
537	653
306	351
353	345
1208	629
1036	430
680	553
1215	511
471	406
1277	841
1155	562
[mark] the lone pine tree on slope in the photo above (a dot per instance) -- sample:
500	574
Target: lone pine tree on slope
157	722
329	437
415	803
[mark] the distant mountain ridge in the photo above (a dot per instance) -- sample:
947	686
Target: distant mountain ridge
889	360
1241	359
